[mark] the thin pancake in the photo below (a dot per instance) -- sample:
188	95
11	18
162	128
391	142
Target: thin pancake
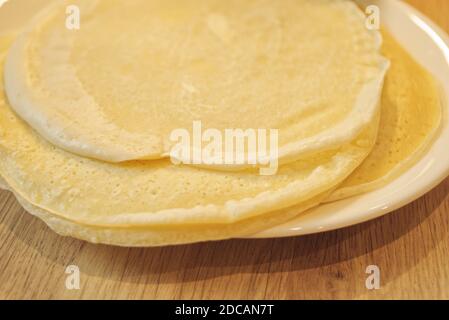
411	114
144	236
79	195
137	70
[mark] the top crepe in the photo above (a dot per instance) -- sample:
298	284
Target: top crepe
116	88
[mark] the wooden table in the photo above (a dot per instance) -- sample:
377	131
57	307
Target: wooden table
410	246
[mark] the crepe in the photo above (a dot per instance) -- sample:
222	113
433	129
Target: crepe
157	202
135	71
411	115
146	236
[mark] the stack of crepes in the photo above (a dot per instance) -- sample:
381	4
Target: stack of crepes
86	114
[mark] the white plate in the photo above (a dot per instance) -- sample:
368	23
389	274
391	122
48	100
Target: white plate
429	45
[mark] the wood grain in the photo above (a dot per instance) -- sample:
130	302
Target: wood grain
410	246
